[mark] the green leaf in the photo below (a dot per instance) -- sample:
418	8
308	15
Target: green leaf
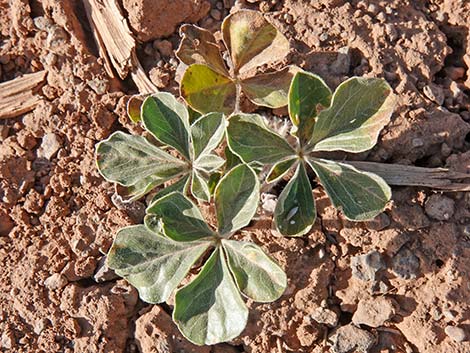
180	186
206	90
236	199
199	187
231	159
182	220
209	162
295	210
152	263
360	195
210	310
128	160
199	46
256	274
252	41
271	89
308	94
249	138
360	108
139	189
280	169
134	105
207	132
168	121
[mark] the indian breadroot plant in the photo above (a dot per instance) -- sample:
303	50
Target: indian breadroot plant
157	256
349	120
211	83
185	153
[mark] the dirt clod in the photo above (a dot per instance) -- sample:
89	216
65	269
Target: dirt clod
440	207
456	333
350	338
374	312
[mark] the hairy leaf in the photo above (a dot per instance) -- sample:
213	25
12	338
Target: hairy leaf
180	186
152	263
199	187
295	209
206	90
182	220
209	162
271	89
252	41
307	93
280	169
360	195
210	310
128	160
256	274
167	120
133	107
360	108
199	46
236	199
207	132
249	138
139	189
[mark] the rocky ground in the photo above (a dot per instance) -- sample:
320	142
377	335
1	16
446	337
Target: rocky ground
399	283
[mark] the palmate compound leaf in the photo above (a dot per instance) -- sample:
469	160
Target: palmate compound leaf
151	262
132	161
256	274
206	90
199	46
180	218
360	195
360	108
307	94
249	138
168	120
236	199
270	89
210	309
295	210
252	41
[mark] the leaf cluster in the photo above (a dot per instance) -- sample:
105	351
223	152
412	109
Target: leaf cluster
212	84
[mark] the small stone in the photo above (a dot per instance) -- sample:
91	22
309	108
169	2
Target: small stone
49	146
350	338
445	150
103	272
434	93
56	281
4	131
406	264
26	140
455	73
323	37
216	14
159	77
374	312
288	18
456	333
164	47
343	61
379	223
42	23
8	340
439	207
6	224
381	17
373	9
325	316
417	142
268	202
99	86
391	32
365	267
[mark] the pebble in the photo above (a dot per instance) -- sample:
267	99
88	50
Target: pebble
417	142
103	273
216	14
343	61
56	281
350	338
381	17
439	207
406	264
49	146
164	47
456	333
434	93
379	223
268	202
391	32
159	77
323	37
366	266
325	316
374	312
8	340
